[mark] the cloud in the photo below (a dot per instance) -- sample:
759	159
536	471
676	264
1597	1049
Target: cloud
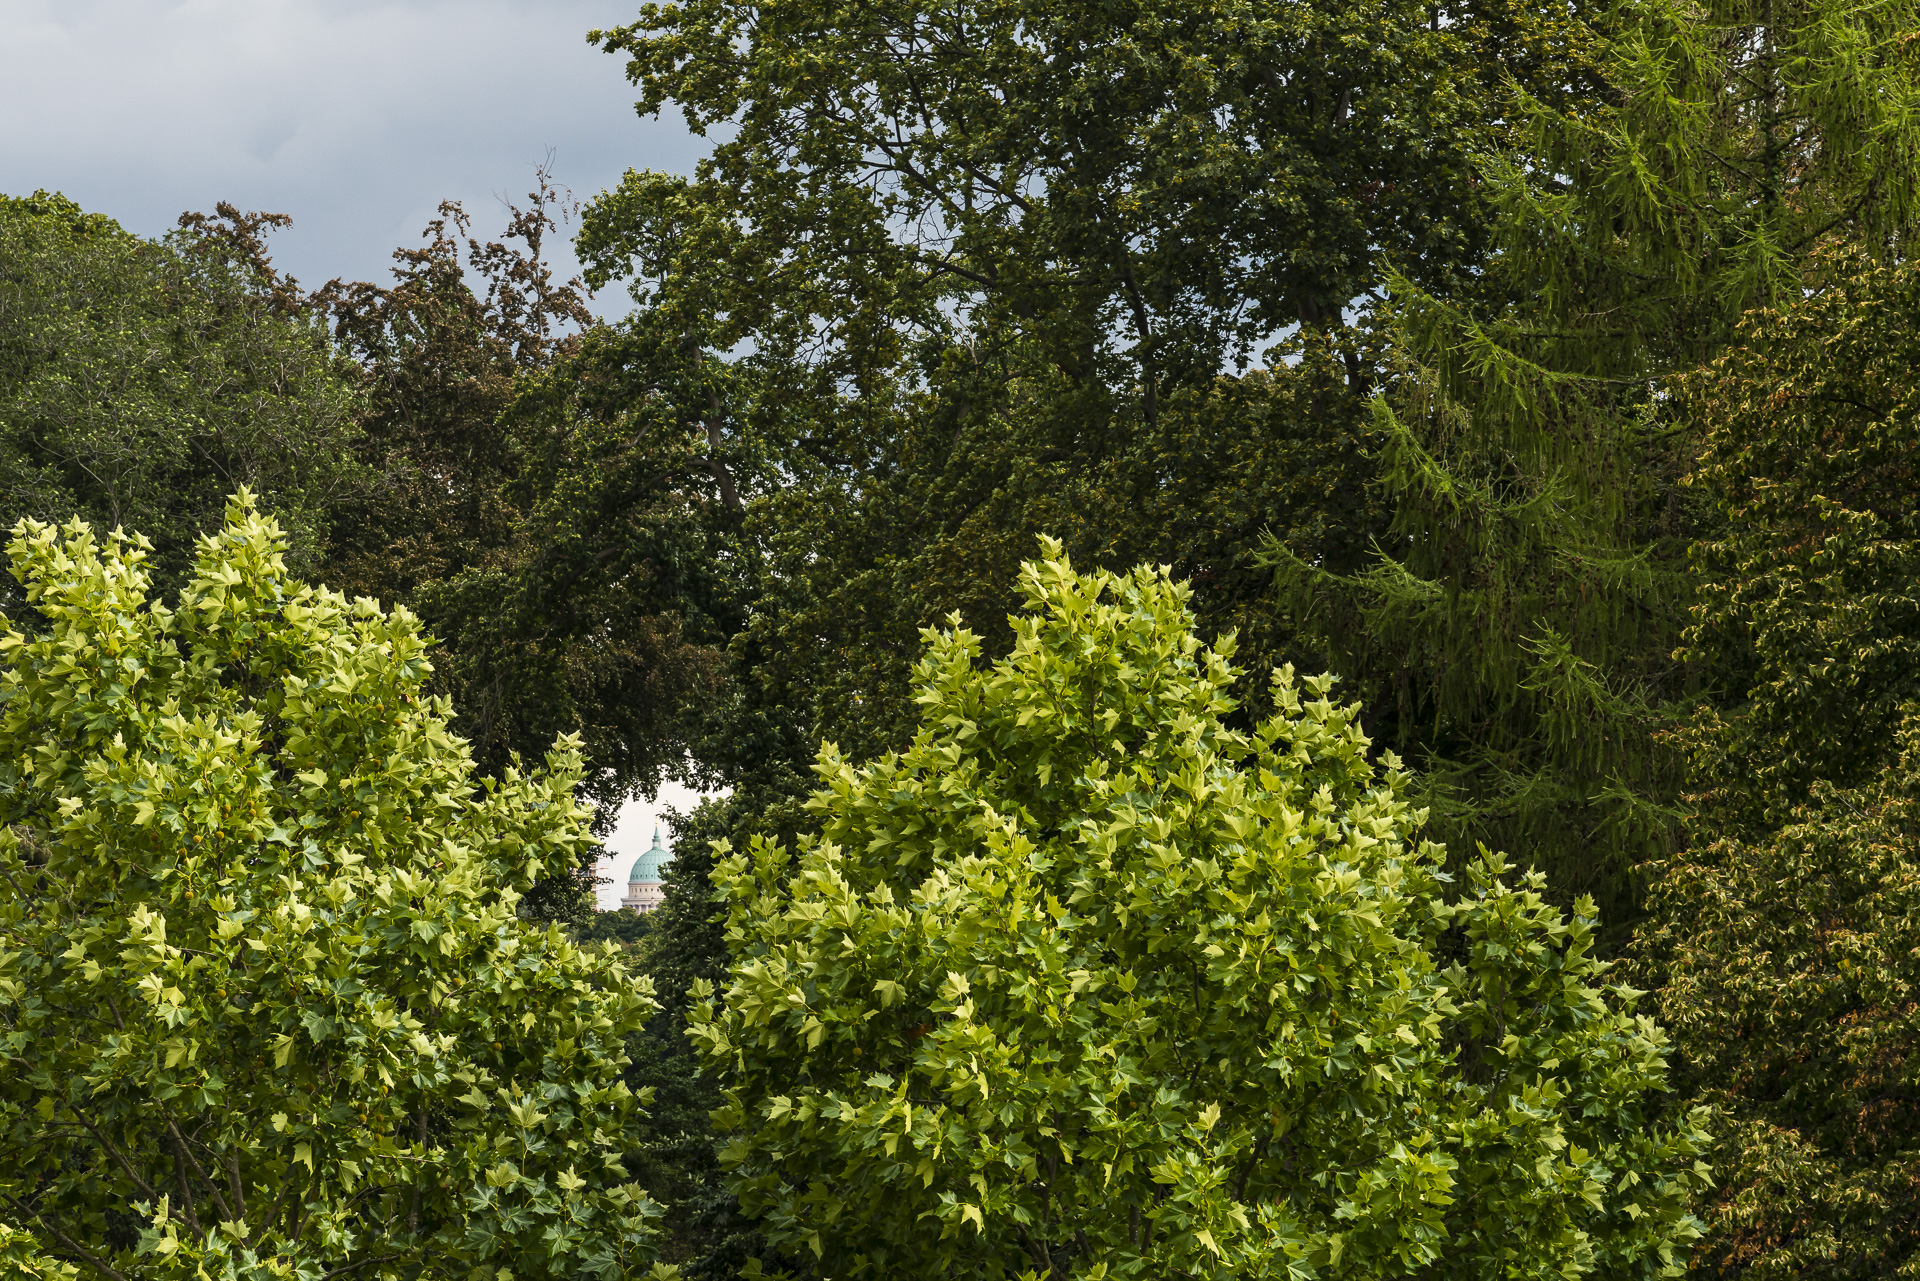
356	117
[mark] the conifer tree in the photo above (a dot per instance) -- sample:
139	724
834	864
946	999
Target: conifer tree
1517	623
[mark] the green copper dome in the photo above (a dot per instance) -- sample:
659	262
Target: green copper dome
650	865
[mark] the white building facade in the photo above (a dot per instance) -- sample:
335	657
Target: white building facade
644	888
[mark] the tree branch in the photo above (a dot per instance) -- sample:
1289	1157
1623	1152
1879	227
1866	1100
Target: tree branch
715	440
119	1158
180	1145
1038	1251
67	1241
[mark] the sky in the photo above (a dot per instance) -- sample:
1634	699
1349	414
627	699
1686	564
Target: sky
634	833
356	117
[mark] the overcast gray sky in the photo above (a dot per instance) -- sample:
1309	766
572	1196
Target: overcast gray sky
357	117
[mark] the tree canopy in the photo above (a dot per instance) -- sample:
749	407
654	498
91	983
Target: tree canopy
266	1004
1146	192
1086	982
142	381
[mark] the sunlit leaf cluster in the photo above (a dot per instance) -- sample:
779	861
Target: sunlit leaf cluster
1087	981
267	1007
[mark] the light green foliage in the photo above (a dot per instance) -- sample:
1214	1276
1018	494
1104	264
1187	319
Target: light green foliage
142	381
1740	135
22	1258
1086	982
263	986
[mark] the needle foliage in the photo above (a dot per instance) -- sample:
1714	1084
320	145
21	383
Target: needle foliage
1517	623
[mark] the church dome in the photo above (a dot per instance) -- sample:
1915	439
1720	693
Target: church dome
651	865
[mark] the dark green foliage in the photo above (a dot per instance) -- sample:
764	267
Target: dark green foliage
671	1149
142	381
536	507
622	926
1514	630
861	559
604	610
1783	941
1145	192
1809	616
1001	270
1098	214
1520	617
436	365
1788	978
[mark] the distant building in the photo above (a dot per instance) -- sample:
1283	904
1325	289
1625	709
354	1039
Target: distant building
644	890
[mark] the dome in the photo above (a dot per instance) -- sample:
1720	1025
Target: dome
650	866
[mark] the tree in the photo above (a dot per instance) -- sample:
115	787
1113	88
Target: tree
142	381
999	262
1087	982
536	505
672	1150
1787	973
605	609
1013	266
843	565
1782	939
266	1004
1144	192
1807	623
438	364
1517	624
